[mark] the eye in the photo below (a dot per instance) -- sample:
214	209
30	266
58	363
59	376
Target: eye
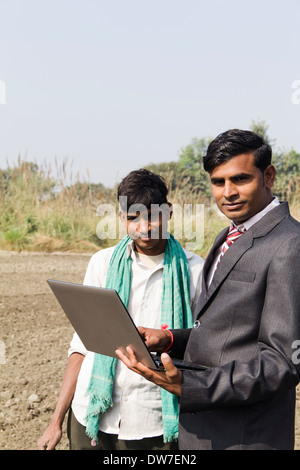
241	178
217	182
133	218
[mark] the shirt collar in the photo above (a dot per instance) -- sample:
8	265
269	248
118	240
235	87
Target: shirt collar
131	250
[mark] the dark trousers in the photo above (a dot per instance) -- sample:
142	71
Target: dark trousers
78	440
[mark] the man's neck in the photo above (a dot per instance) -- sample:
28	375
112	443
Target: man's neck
151	251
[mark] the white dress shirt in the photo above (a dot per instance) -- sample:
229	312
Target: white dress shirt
246	225
136	413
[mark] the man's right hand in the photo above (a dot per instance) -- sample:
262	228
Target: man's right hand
156	340
50	438
52	435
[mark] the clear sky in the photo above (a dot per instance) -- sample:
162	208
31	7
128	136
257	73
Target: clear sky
117	84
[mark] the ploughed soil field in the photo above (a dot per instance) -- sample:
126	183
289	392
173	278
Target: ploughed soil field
34	340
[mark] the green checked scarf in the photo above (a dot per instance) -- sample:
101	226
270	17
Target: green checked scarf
175	312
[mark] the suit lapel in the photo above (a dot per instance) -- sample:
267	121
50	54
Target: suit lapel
226	265
236	251
229	260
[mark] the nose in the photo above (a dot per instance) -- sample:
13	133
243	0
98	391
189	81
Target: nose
144	225
230	190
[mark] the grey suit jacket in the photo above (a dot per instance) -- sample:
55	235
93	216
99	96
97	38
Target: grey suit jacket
249	318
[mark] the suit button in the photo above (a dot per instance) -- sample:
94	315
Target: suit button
197	324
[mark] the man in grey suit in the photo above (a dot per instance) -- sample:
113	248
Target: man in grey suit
249	318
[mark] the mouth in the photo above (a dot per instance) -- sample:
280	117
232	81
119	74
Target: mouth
145	237
234	206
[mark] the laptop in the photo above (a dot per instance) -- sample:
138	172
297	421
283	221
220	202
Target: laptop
103	324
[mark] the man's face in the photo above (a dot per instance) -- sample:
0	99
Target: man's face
148	229
240	189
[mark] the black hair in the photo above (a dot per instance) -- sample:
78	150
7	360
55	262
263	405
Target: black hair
142	187
235	142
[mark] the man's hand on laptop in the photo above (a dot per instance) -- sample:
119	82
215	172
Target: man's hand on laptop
169	379
156	340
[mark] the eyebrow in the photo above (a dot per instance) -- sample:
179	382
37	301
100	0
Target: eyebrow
215	180
136	215
133	216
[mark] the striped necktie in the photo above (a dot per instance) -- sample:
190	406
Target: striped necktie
233	234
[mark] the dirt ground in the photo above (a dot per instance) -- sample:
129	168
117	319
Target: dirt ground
34	339
36	335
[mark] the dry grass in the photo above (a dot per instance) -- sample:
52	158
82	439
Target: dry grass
45	210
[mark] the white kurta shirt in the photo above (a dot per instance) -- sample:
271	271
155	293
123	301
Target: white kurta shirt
136	413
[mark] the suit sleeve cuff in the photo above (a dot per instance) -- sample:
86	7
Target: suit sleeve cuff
180	339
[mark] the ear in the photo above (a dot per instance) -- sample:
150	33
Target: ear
122	218
269	176
171	210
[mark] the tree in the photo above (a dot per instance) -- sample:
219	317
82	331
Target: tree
261	128
191	162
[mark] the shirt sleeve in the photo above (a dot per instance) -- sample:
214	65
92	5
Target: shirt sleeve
95	276
97	268
77	346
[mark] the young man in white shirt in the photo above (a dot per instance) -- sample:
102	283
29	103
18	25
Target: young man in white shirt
135	418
